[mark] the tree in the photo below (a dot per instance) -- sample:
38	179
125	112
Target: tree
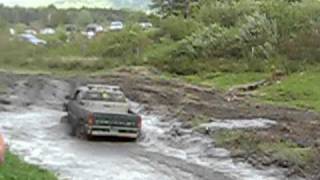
84	18
174	7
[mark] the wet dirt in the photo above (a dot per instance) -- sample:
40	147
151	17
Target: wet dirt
31	123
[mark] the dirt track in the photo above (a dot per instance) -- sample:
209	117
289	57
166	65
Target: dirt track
31	122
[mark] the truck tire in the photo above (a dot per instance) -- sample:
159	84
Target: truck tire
73	130
81	132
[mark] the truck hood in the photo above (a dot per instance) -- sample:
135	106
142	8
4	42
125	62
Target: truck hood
106	107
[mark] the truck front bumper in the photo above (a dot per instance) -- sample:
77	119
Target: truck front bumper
109	131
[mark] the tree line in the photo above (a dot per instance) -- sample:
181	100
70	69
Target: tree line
53	17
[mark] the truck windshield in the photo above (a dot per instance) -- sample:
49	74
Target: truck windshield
104	96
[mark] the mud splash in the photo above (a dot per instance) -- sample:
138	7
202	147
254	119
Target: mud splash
239	124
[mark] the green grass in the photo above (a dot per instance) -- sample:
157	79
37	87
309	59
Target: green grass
301	90
290	152
16	169
249	143
236	140
297	90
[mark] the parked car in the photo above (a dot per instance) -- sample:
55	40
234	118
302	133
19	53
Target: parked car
47	31
101	110
31	31
116	26
96	28
71	28
2	149
32	39
146	25
12	31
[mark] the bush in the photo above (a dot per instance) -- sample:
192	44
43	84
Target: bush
130	42
259	36
213	41
178	28
291	17
256	38
304	47
225	13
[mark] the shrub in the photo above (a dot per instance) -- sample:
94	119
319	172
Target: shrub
304	47
213	41
225	13
178	28
291	17
259	36
256	38
127	43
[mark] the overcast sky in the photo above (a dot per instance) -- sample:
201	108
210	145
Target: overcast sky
135	4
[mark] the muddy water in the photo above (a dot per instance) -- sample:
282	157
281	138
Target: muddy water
195	148
38	136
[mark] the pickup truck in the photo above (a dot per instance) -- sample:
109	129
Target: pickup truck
101	110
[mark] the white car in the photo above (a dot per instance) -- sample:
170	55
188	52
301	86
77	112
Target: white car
32	39
146	25
12	31
116	26
47	31
31	31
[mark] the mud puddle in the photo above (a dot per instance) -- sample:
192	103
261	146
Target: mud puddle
38	136
34	131
193	147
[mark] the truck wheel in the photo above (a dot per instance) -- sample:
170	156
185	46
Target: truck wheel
73	130
81	133
69	119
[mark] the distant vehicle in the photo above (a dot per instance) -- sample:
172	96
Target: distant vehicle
31	31
91	34
146	25
12	31
116	26
96	28
2	149
71	28
32	39
47	31
101	110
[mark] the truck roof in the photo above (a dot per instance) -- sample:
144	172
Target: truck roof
103	87
112	90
